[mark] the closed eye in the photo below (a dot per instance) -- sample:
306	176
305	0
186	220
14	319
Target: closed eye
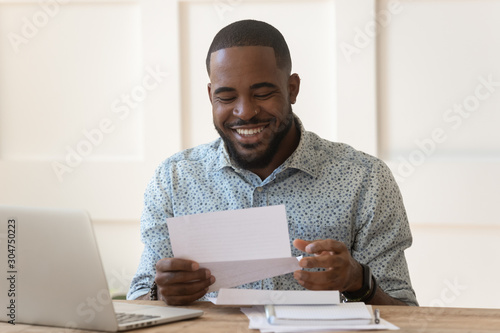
226	100
264	96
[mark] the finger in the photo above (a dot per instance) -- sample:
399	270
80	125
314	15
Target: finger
186	289
172	277
326	245
301	244
183	300
327	280
311	285
176	264
323	253
324	261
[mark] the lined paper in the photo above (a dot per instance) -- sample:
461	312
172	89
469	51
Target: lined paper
238	246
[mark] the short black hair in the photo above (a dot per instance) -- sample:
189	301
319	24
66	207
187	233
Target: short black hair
252	33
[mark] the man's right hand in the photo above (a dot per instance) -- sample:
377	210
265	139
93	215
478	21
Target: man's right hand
181	281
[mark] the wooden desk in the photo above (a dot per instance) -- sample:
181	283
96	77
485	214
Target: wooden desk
218	319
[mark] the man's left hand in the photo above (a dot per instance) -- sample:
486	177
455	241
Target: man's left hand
341	273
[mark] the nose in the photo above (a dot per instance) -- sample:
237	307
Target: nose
245	110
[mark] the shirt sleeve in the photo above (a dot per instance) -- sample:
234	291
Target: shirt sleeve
154	232
383	233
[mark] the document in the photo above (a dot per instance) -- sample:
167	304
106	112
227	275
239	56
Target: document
238	246
234	273
302	321
254	297
320	315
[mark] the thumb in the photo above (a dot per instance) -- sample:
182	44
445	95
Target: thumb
301	244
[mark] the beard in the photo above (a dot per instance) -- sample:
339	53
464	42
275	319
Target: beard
255	159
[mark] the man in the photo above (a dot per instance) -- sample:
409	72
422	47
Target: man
343	207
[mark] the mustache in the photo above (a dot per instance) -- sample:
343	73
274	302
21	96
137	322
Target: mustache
253	121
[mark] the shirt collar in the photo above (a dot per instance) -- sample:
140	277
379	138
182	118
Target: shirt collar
221	158
300	159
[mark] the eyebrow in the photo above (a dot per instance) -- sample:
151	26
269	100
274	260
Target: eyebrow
252	87
223	89
262	85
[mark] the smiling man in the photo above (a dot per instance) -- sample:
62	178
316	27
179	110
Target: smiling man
344	208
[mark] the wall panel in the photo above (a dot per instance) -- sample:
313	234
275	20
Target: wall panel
439	91
84	102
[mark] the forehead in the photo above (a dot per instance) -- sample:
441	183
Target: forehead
244	63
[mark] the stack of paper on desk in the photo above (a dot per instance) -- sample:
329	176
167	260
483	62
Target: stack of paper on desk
318	315
300	310
237	246
317	318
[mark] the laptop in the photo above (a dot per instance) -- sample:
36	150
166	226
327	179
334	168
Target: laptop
52	275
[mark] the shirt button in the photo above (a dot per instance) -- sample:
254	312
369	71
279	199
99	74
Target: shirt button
260	189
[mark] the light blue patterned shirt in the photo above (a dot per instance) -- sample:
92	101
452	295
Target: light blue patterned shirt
330	190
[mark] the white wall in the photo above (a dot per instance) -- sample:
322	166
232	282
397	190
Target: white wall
451	265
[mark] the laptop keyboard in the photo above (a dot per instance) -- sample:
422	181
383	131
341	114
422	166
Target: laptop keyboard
125	318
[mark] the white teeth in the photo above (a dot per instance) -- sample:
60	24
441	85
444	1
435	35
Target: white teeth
251	131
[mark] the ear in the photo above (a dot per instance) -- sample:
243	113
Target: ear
209	88
293	87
